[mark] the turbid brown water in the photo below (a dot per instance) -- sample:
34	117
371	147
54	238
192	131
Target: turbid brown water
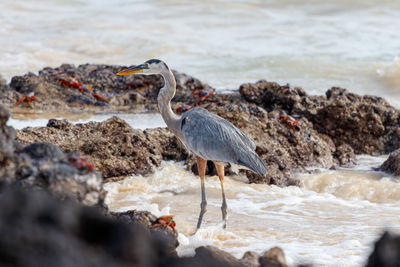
331	220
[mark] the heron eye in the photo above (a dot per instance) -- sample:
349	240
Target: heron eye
147	66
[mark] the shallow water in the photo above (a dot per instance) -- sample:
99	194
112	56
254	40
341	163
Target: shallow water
140	121
331	220
314	44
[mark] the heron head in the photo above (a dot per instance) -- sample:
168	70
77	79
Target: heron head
152	66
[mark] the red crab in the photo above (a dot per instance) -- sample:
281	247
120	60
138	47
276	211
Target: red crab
203	94
100	97
75	83
81	163
27	99
290	121
184	108
165	221
70	82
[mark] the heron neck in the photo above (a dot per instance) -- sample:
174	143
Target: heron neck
164	103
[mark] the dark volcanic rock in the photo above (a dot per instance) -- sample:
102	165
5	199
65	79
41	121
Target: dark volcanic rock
386	252
115	148
275	257
118	150
148	220
345	154
37	230
367	123
122	92
207	256
250	259
44	166
8	160
392	164
43	151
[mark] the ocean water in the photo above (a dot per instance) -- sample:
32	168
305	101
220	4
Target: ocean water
332	219
313	44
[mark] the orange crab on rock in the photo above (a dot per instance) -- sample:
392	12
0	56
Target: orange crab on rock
184	108
290	121
203	94
165	221
81	163
27	99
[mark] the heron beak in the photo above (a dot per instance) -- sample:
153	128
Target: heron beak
132	70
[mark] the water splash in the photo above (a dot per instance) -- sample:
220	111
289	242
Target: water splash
326	225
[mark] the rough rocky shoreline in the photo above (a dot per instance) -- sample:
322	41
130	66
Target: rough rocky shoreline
292	130
55	173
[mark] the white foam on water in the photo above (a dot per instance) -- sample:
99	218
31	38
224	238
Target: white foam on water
323	225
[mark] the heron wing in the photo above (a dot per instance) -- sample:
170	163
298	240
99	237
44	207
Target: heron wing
214	138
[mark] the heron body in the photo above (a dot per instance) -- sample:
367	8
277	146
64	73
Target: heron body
205	134
214	138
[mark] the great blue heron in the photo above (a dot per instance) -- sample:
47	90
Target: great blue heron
207	135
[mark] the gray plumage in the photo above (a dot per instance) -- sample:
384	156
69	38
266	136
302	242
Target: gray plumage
214	138
207	135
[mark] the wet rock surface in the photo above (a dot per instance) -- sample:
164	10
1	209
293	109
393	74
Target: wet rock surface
275	257
114	147
41	166
38	230
8	159
392	164
165	233
367	123
117	150
386	252
91	87
292	131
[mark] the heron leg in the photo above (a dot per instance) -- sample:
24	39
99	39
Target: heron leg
221	175
201	166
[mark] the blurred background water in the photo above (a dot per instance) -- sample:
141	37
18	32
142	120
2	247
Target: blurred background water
314	44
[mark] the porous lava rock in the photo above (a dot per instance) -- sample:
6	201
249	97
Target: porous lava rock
43	166
55	90
367	123
275	257
38	230
8	159
115	148
392	164
149	221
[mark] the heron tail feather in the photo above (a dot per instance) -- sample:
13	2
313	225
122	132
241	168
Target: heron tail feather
253	162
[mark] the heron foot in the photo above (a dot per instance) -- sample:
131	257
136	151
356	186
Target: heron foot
224	213
203	210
